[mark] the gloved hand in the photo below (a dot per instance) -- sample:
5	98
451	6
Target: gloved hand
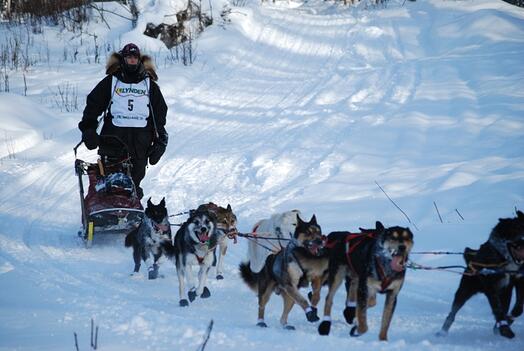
156	151
90	139
158	148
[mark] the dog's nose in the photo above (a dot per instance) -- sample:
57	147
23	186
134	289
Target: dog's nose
402	248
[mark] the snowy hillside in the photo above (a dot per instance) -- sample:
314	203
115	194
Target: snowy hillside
289	105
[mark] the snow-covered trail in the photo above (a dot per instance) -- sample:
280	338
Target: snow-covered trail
293	105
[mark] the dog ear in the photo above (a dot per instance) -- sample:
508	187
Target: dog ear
163	202
228	207
299	220
149	203
520	215
379	226
313	220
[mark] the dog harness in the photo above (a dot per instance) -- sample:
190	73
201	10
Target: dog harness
354	240
351	242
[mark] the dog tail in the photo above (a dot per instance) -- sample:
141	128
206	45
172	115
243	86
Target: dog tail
249	277
130	238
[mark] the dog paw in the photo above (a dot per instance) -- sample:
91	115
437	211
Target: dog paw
192	295
220	277
349	314
324	328
152	274
441	333
183	303
311	315
206	293
262	324
288	327
354	332
504	330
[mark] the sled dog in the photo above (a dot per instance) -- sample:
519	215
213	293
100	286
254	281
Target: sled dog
302	261
194	245
226	226
152	237
373	261
493	270
279	225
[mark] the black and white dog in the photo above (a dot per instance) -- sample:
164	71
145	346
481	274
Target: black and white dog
194	245
152	237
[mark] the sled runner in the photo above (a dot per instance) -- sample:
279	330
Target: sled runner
111	205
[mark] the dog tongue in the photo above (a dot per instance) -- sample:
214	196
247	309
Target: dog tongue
203	237
397	263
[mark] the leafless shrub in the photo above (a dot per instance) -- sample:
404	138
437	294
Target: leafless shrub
65	97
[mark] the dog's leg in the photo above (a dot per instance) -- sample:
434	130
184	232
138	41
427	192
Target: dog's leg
265	289
288	303
316	285
519	301
389	308
202	290
191	294
153	271
351	299
221	254
362	301
300	300
181	286
334	282
465	291
502	326
137	257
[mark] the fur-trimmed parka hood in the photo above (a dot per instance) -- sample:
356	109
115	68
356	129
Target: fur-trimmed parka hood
115	62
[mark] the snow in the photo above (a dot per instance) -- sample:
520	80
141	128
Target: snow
291	105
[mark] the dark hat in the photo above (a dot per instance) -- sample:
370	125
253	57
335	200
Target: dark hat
130	50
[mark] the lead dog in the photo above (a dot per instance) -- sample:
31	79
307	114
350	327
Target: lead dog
151	238
194	245
374	261
490	272
302	261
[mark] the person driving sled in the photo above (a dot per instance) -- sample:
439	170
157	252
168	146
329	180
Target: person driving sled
134	111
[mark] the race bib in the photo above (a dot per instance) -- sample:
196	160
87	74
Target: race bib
130	103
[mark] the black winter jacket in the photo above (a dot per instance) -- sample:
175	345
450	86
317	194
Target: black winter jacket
139	140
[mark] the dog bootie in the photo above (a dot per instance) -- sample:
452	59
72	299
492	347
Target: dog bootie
220	277
354	332
502	328
261	323
288	327
206	293
183	303
192	295
311	314
324	327
153	271
349	314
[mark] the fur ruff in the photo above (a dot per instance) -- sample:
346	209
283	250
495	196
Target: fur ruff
115	60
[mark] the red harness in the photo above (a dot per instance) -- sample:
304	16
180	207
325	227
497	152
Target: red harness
351	242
